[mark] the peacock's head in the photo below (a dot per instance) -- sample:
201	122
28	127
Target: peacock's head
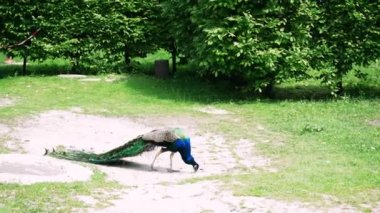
194	164
196	167
190	160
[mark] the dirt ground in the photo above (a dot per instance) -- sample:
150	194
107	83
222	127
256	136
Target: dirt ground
145	190
6	101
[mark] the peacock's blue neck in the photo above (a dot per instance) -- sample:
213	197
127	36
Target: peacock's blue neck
183	146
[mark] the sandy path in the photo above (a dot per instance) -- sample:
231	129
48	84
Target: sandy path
30	169
156	191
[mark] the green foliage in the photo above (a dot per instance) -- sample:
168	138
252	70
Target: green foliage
17	21
124	28
177	26
345	34
80	30
260	43
255	42
69	27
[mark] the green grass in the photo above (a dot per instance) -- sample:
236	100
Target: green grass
54	197
321	147
327	148
324	151
135	94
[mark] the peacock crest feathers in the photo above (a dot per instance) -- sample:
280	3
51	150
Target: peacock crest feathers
180	133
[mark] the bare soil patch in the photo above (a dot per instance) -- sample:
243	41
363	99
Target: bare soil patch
5	102
109	78
29	169
375	122
72	76
213	110
159	190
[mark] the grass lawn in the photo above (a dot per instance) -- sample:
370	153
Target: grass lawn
53	197
325	150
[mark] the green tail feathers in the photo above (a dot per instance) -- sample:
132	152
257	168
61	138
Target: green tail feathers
129	149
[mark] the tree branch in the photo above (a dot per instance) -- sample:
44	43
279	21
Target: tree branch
22	43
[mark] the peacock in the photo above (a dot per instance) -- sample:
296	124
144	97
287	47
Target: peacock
169	139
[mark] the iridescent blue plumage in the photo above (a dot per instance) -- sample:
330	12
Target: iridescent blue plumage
183	146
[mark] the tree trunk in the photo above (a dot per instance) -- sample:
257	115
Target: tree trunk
339	86
174	58
24	56
339	81
76	63
269	90
75	67
127	56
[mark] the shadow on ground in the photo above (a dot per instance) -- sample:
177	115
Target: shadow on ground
123	164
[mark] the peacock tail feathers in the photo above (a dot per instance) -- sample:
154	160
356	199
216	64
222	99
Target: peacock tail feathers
129	149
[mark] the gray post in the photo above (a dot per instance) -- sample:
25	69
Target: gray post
161	68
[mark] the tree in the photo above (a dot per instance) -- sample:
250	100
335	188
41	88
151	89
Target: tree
109	29
69	28
125	28
346	33
260	43
18	26
176	31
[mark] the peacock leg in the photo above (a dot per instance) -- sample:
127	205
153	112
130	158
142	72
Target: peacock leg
171	161
158	153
